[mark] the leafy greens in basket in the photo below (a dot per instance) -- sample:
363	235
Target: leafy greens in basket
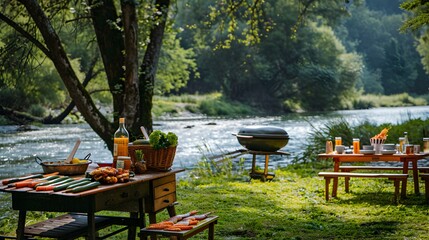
159	139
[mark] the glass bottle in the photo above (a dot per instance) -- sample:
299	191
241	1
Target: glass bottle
329	148
120	141
406	142
401	145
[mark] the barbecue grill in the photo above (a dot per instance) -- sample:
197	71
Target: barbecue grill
262	138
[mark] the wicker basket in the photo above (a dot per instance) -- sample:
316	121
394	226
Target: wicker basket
157	159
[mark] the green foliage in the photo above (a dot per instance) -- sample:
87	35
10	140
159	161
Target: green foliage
159	139
397	100
420	17
37	110
279	68
392	64
176	66
218	107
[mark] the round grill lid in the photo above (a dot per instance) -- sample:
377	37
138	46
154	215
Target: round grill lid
263	132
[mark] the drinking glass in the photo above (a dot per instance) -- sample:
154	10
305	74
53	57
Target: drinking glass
356	146
401	145
426	145
338	141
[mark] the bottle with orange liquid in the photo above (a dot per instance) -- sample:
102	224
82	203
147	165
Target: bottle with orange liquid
120	141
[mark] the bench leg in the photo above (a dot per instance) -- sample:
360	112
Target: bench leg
396	182
346	181
427	189
346	184
327	182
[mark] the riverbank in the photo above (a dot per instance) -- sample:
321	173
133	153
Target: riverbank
214	105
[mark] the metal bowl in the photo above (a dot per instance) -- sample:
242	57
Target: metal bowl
64	168
263	138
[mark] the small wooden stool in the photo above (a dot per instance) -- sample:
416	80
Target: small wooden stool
181	235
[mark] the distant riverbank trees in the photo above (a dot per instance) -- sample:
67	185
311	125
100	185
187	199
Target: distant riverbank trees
336	54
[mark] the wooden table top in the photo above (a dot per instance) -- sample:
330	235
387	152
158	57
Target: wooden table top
138	178
374	157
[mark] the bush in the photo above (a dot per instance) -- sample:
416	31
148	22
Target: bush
216	107
37	110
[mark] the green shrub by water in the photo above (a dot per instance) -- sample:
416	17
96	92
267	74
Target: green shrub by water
396	100
416	129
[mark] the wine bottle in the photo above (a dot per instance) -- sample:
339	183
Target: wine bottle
120	141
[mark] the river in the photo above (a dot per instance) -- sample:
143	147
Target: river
197	136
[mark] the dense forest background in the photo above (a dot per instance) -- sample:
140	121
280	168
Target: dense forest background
320	58
325	66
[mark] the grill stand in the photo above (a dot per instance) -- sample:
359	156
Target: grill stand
254	174
265	175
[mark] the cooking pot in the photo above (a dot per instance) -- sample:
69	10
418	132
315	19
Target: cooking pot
262	138
63	167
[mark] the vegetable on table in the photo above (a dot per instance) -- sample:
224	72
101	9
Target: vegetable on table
159	139
86	187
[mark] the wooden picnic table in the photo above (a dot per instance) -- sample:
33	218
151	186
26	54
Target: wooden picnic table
405	159
149	193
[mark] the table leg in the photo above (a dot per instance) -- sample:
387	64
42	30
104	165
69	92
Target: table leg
91	225
142	223
404	183
171	210
415	176
211	231
335	184
21	224
132	228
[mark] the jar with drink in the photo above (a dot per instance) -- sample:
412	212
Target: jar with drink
356	146
338	141
425	145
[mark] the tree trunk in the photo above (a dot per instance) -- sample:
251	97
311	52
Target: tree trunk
111	45
77	92
150	63
131	102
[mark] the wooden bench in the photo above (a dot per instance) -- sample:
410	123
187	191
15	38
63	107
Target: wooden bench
425	177
397	178
207	223
74	225
348	168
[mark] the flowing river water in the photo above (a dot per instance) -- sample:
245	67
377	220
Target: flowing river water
197	136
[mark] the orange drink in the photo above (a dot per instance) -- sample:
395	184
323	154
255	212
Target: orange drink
338	141
356	146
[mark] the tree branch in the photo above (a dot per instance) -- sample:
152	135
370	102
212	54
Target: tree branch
28	36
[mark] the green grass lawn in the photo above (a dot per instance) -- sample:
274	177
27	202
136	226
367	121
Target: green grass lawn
292	206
